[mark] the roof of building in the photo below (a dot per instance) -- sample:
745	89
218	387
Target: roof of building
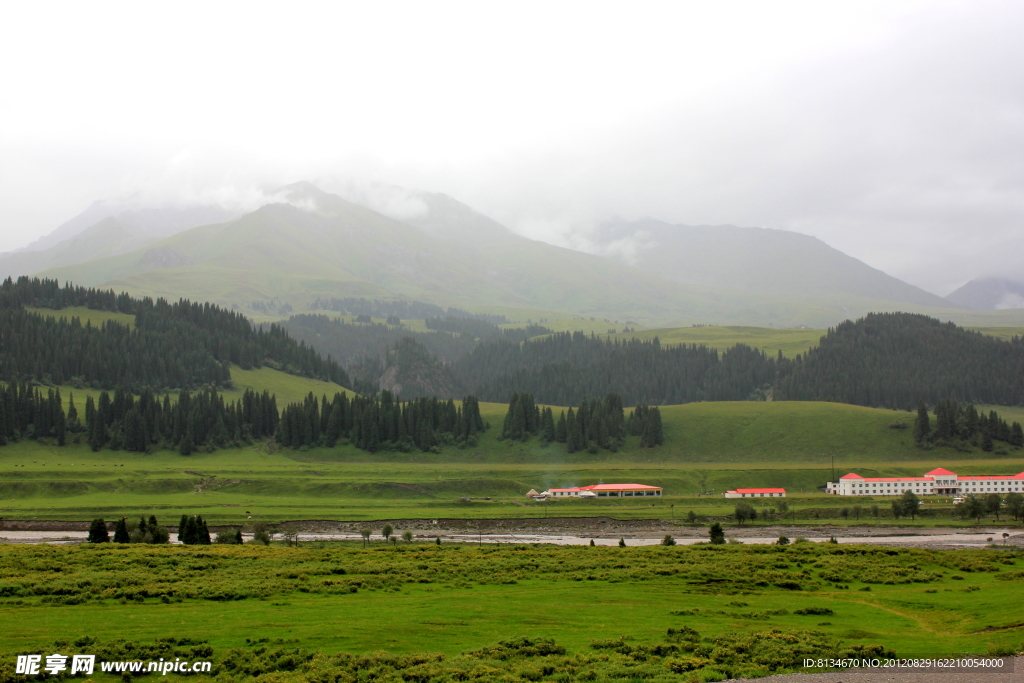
608	487
620	487
930	476
757	491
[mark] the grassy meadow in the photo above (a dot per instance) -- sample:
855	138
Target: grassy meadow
513	613
710	447
86	315
768	339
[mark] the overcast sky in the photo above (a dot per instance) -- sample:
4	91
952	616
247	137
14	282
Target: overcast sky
893	131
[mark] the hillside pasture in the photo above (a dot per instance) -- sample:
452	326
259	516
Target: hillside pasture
768	339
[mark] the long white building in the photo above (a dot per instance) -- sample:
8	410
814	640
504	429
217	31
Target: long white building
756	493
938	482
605	491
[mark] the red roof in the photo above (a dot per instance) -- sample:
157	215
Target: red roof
758	491
620	487
937	472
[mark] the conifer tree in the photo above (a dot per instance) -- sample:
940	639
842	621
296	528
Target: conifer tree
560	428
188	533
202	532
547	426
922	425
574	435
72	419
121	531
98	532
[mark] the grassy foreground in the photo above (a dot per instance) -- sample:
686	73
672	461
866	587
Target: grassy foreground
599	614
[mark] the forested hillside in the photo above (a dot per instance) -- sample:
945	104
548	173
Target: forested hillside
892	360
172	345
898	359
449	338
565	368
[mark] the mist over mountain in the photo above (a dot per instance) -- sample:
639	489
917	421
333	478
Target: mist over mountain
752	259
309	244
316	244
989	294
107	228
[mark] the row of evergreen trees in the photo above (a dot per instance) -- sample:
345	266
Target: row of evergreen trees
170	345
597	424
955	423
383	423
27	413
192	530
200	420
399	308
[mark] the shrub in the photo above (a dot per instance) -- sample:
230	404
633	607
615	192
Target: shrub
814	610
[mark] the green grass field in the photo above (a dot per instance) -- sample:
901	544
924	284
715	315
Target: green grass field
287	388
621	613
711	447
768	339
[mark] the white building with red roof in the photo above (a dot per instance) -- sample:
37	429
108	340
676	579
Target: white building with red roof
756	493
605	491
938	482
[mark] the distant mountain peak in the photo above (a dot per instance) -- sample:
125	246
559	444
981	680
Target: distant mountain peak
989	294
761	260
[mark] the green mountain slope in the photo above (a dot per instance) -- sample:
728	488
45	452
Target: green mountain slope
105	229
334	248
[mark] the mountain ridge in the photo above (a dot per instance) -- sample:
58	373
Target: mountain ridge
313	244
756	259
